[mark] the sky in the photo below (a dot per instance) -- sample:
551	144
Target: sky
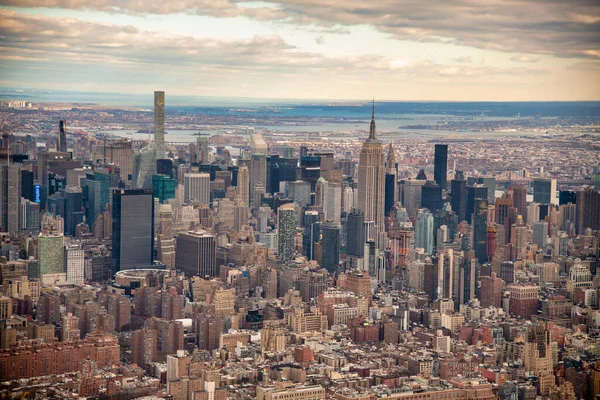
451	50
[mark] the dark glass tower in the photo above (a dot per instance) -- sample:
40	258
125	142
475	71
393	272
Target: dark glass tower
61	143
431	196
311	233
474	192
480	219
390	191
440	170
73	208
330	249
355	244
458	200
132	229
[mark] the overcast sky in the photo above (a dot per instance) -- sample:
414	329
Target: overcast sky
315	49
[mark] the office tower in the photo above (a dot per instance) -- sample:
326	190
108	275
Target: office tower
132	229
445	274
355	243
286	225
458	199
30	216
303	151
202	149
371	181
310	170
74	259
50	253
544	191
10	197
538	358
480	228
196	188
467	276
163	187
424	230
243	186
196	254
299	192
159	123
73	209
520	200
258	161
490	294
321	194
440	172
27	186
119	153
61	142
474	192
411	195
311	233
144	166
431	196
390	193
166	244
567	196
330	250
588	210
332	209
540	234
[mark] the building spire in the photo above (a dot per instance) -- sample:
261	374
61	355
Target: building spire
372	130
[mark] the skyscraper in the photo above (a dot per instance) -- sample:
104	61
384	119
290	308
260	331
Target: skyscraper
540	233
243	187
440	170
73	208
10	197
355	244
159	124
587	210
330	250
480	220
286	225
132	229
544	191
520	200
458	199
50	253
371	181
311	234
474	192
196	254
196	188
61	142
424	230
431	196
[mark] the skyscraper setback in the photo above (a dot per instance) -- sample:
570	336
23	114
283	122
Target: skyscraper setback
371	182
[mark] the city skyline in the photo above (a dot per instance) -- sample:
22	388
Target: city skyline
294	49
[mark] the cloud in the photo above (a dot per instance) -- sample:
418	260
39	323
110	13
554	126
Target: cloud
524	59
462	60
561	28
320	40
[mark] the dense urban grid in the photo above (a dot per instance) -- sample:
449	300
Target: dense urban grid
254	263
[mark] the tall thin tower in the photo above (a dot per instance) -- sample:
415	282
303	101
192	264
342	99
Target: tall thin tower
61	143
159	123
371	181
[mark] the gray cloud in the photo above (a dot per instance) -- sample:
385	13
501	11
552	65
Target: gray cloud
561	28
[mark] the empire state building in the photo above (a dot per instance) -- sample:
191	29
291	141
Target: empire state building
371	183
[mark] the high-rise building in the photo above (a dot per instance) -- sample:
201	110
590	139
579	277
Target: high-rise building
355	243
50	253
523	299
164	187
196	188
202	149
440	172
544	191
371	181
588	210
74	260
480	229
540	234
424	230
330	250
431	196
73	208
311	233
196	254
458	199
286	225
159	123
61	142
132	229
474	193
10	197
520	200
490	294
243	187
